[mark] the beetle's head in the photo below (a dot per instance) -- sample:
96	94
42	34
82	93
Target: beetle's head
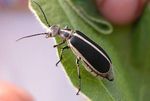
53	31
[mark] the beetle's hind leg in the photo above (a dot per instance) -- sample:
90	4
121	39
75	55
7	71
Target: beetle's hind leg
79	76
61	53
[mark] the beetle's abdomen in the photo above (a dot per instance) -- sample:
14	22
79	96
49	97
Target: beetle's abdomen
91	53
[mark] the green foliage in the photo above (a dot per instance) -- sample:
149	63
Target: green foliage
127	46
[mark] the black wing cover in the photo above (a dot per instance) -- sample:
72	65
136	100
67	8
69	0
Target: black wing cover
95	58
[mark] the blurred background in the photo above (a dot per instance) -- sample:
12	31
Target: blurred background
30	63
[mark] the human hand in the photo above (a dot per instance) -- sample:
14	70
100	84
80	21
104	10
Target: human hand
10	92
121	12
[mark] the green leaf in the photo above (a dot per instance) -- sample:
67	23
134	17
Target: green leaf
128	47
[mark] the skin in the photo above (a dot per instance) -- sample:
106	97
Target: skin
121	12
10	92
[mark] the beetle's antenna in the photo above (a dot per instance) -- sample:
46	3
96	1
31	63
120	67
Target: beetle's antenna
43	13
31	36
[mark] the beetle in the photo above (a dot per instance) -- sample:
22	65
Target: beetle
91	54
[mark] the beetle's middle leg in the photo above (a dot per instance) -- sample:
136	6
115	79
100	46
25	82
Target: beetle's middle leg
61	53
79	76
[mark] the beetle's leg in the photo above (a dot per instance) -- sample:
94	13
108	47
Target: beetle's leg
78	70
59	43
66	27
97	75
62	51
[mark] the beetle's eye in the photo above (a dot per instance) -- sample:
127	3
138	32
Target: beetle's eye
66	34
48	35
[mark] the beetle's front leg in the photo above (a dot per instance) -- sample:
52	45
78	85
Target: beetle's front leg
66	27
59	44
62	51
